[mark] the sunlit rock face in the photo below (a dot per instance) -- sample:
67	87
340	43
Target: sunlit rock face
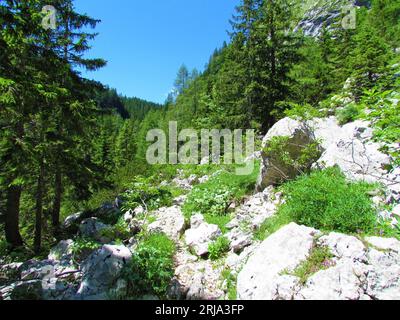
320	12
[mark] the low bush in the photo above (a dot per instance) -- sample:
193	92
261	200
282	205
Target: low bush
118	232
303	112
348	114
213	198
209	200
231	283
218	248
215	195
143	193
326	200
291	159
152	267
82	247
272	225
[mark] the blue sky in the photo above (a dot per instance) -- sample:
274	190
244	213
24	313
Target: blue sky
146	41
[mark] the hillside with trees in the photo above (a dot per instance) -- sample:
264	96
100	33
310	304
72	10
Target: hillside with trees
75	184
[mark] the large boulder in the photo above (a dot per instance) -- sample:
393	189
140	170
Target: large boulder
350	147
355	269
101	270
201	235
274	169
283	251
72	222
169	221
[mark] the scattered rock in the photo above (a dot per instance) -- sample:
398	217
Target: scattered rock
179	201
36	270
23	290
128	216
102	269
201	235
95	229
170	221
239	240
62	251
196	279
185	183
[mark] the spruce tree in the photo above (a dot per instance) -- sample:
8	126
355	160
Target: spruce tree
368	60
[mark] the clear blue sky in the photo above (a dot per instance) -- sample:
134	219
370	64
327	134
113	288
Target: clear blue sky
146	41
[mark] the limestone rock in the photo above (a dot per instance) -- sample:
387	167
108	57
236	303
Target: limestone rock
170	221
95	229
61	251
201	235
273	169
102	269
284	250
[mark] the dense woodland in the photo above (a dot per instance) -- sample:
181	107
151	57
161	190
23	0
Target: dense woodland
69	144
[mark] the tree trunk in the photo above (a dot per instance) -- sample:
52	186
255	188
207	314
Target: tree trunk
13	236
39	209
57	201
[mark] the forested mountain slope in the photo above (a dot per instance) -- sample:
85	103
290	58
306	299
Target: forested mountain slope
74	175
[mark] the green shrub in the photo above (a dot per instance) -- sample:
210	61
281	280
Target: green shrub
119	231
220	221
326	200
209	200
143	193
218	248
303	112
82	247
348	114
385	117
152	267
99	198
272	225
231	283
213	198
291	159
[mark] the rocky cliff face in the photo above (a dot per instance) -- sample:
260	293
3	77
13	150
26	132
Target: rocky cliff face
318	12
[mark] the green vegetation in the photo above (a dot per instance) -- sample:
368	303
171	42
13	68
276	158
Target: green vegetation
152	266
214	197
117	232
348	114
142	193
320	259
82	247
325	200
231	282
272	225
218	248
294	158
